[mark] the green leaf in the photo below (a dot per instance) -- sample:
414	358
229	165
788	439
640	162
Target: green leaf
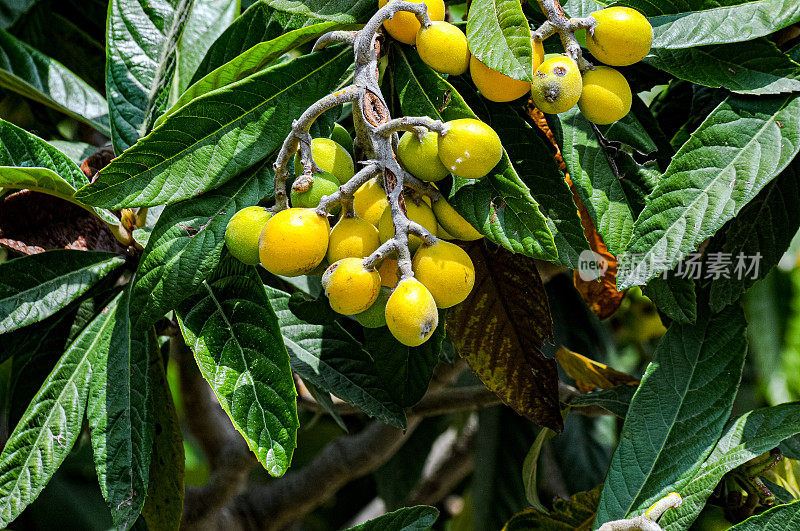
743	439
11	10
141	45
404	371
575	514
207	20
739	148
754	67
530	467
268	19
499	205
675	296
247	63
615	400
765	228
121	416
677	413
778	518
50	426
36	286
500	37
216	137
165	489
679	27
598	187
235	336
28	72
332	360
77	152
535	165
416	518
186	244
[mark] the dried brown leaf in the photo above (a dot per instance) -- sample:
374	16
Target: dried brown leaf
589	374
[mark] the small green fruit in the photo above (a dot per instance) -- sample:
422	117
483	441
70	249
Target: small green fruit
324	184
422	158
342	137
243	231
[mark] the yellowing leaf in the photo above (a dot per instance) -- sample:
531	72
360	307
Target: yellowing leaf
500	329
589	374
575	514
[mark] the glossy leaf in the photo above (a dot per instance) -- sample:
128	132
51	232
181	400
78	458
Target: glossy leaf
754	67
35	287
165	490
50	426
598	187
778	518
675	296
416	518
120	415
682	28
745	437
141	47
333	361
765	228
235	336
268	19
534	163
247	63
500	37
405	371
677	413
28	72
500	329
499	205
206	21
216	137
736	151
186	244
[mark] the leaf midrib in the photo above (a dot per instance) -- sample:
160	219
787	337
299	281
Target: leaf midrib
87	352
222	127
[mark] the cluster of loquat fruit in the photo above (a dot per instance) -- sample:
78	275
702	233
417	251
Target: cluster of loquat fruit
300	240
621	37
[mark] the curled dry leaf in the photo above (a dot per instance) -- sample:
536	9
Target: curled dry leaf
589	374
500	328
600	295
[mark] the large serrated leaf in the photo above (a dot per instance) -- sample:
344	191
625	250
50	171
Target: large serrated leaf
141	45
598	188
268	19
500	37
27	161
214	138
405	371
778	518
677	413
247	63
28	72
676	25
186	244
207	20
50	426
332	360
742	145
765	227
499	205
235	336
120	414
745	437
754	67
35	287
416	518
534	162
500	329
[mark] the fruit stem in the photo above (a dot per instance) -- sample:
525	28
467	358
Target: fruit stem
344	196
558	22
647	521
416	124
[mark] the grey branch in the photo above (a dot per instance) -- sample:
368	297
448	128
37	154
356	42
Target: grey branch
647	521
558	22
